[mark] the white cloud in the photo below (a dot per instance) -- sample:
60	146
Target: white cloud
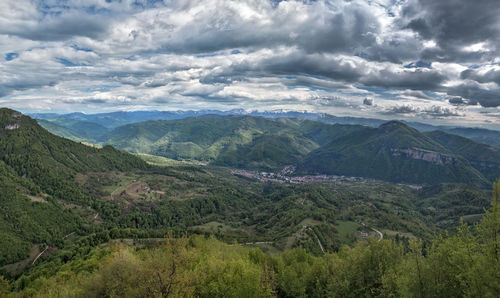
318	55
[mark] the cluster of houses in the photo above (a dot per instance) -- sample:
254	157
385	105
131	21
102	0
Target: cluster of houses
284	176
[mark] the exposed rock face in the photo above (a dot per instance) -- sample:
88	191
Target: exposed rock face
432	157
12	126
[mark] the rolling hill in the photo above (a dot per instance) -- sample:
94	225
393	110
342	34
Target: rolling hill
392	152
75	200
237	141
484	158
37	177
113	120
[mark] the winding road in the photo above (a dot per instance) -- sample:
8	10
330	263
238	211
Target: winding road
380	235
39	255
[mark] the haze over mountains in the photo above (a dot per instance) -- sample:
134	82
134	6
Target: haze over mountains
312	148
63	203
80	126
391	151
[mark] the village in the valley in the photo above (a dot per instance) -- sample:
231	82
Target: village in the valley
285	176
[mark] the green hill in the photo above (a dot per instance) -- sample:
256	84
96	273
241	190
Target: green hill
484	158
37	175
76	130
237	141
61	131
392	152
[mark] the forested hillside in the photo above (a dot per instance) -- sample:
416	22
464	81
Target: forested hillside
65	205
115	119
392	152
396	152
463	265
238	141
37	173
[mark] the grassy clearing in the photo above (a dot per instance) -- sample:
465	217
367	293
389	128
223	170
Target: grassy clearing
17	268
391	233
160	160
213	227
472	218
347	230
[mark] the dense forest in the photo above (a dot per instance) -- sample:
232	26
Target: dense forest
77	220
465	264
392	152
88	127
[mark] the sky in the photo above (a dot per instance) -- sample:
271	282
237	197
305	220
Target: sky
421	60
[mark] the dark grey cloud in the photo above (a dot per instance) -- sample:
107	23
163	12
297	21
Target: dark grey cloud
315	27
368	101
7	88
65	27
475	94
294	63
458	101
415	80
492	75
454	24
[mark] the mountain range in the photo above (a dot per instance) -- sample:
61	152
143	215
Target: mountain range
63	204
78	126
393	151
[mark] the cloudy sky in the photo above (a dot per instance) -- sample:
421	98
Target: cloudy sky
425	60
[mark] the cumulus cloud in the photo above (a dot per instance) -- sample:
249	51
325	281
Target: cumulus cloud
429	111
253	54
455	25
368	101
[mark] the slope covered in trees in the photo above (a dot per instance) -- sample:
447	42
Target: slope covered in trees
37	176
115	119
392	152
463	265
238	141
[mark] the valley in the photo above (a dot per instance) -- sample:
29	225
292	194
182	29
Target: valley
63	202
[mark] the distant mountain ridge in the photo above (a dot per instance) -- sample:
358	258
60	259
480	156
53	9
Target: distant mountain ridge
393	151
113	120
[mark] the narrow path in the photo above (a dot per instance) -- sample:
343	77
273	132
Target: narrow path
68	235
317	238
380	235
39	255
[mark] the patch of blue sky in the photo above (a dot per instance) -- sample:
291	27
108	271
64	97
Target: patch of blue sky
67	62
419	64
208	55
76	47
288	77
101	88
381	91
11	56
52	8
107	87
142	4
433	95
